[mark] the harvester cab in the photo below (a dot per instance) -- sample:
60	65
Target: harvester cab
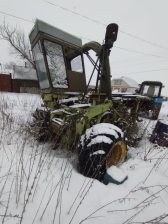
59	62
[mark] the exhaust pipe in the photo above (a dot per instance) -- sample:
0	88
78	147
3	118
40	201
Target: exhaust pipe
111	35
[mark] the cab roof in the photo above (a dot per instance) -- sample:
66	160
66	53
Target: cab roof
41	26
152	83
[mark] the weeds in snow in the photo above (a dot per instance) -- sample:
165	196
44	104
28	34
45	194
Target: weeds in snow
38	184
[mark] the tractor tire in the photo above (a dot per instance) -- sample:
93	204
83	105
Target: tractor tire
156	110
100	147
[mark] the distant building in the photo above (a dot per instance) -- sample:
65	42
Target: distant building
124	84
25	80
20	80
91	89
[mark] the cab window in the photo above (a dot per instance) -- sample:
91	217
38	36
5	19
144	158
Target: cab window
56	64
74	60
150	90
40	66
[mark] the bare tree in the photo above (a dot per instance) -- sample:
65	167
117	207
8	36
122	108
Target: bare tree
18	41
9	65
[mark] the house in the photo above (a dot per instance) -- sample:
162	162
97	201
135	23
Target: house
20	80
124	84
25	80
91	89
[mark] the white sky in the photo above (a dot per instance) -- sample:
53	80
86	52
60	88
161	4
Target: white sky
146	19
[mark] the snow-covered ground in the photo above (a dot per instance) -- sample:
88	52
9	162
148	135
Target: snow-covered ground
41	185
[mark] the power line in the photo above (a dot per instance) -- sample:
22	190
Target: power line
140	52
130	50
104	24
143	40
137	59
15	17
89	39
74	13
134	59
115	67
141	71
115	47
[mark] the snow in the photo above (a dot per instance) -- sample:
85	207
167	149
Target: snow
116	173
71	99
81	105
105	131
43	185
72	93
100	139
58	121
131	95
104	128
58	110
163	115
98	152
120	93
115	91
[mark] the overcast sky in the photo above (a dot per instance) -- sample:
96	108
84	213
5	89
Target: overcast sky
145	19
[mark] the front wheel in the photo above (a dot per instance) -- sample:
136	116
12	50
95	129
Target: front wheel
100	147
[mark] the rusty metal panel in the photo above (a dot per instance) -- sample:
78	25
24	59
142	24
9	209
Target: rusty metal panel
5	83
77	81
16	88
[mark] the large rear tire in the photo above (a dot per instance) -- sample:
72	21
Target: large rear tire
100	147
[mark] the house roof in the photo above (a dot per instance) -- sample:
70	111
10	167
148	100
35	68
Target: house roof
129	81
20	72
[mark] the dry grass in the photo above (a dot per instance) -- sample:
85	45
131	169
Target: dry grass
32	165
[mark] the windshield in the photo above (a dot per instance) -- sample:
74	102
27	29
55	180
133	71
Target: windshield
40	66
150	90
56	64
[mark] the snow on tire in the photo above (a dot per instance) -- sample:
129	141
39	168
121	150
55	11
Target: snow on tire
100	147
